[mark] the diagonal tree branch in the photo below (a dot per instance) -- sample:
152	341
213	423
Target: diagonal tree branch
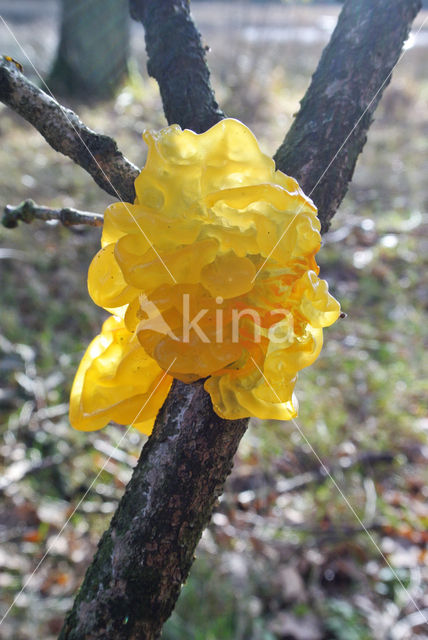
134	580
323	144
177	62
64	131
144	557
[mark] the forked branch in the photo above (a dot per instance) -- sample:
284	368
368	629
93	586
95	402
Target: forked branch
146	554
134	580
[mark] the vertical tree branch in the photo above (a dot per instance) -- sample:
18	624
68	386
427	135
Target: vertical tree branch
143	559
338	107
177	62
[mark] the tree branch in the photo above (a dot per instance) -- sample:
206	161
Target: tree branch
177	61
131	586
28	211
329	132
143	559
64	131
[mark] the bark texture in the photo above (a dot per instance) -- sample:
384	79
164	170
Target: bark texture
64	131
143	559
28	211
330	130
177	62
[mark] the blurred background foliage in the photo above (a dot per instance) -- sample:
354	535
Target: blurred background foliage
284	556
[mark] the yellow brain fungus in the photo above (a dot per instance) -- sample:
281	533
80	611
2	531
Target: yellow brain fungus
211	273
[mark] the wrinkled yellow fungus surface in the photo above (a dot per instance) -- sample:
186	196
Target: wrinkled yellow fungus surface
211	273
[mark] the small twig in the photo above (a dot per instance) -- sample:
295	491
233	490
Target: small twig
28	211
336	532
65	132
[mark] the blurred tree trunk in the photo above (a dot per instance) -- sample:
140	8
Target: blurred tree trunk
92	56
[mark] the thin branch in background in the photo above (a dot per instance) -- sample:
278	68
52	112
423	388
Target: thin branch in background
303	480
177	60
65	132
28	211
19	470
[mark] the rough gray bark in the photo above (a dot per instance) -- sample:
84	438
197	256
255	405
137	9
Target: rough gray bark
64	131
177	62
92	57
338	107
134	580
